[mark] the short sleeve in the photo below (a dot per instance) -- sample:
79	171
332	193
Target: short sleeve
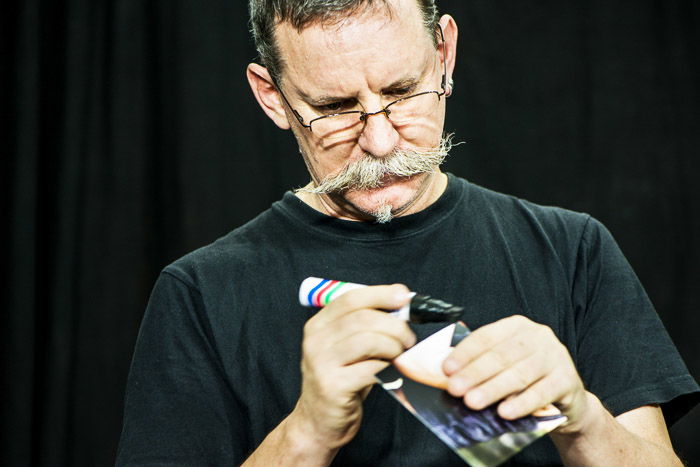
624	354
179	409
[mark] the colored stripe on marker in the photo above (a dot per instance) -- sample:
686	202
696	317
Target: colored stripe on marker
317	292
310	298
319	296
330	294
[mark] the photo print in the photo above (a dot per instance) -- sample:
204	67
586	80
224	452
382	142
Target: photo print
480	437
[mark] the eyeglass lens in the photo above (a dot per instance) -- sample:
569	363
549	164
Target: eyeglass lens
399	112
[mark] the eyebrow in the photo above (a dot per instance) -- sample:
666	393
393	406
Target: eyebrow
403	83
330	99
321	100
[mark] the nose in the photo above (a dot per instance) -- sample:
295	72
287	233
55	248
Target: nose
379	137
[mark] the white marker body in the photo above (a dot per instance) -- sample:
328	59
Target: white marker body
310	283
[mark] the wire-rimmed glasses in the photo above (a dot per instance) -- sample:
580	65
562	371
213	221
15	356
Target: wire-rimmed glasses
350	124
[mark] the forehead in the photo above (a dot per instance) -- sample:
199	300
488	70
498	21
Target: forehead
371	47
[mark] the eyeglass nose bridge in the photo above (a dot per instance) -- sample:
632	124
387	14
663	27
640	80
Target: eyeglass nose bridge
365	115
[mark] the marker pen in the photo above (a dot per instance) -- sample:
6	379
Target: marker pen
317	292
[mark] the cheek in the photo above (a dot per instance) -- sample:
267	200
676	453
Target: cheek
425	133
331	158
309	153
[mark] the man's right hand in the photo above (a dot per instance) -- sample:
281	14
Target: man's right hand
345	344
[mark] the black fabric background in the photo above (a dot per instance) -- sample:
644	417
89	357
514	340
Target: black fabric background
130	137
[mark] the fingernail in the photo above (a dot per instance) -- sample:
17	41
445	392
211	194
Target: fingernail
403	294
408	296
506	410
476	399
457	386
450	365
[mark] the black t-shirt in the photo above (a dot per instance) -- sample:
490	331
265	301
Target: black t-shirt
216	365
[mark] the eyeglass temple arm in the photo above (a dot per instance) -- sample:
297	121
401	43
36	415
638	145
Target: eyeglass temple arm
296	114
443	82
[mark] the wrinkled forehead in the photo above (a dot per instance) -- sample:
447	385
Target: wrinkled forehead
373	44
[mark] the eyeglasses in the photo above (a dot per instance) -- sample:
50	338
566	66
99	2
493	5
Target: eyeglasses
350	124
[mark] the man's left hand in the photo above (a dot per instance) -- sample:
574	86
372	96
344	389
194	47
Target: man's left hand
522	364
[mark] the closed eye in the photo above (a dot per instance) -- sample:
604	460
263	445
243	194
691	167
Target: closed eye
335	107
398	93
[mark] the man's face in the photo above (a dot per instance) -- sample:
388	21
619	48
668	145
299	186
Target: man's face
365	61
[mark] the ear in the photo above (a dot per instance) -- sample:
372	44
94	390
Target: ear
267	95
450	33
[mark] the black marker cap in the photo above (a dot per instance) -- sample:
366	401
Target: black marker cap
425	309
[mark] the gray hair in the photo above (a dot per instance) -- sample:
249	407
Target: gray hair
266	14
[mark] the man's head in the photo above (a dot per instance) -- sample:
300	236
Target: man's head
357	59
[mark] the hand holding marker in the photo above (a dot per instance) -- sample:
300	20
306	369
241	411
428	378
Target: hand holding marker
317	292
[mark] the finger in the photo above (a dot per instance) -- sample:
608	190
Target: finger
489	364
352	379
374	321
366	346
384	297
341	386
481	341
318	341
538	395
511	381
365	371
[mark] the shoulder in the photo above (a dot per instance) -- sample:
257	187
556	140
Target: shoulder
534	234
230	255
523	219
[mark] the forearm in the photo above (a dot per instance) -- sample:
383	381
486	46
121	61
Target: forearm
290	444
605	441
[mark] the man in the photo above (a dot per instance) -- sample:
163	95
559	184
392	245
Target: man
559	316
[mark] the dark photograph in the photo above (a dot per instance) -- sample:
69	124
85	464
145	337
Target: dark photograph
480	437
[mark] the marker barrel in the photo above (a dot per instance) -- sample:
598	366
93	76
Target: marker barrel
318	292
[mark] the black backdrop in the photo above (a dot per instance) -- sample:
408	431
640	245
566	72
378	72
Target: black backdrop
130	138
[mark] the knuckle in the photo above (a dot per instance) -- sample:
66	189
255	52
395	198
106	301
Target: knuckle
361	318
544	331
383	347
392	346
481	339
538	396
311	327
496	360
563	348
519	321
548	331
400	328
561	352
379	346
521	377
492	361
368	319
408	338
344	301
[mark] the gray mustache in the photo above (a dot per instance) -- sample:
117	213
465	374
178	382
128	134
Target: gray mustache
369	171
